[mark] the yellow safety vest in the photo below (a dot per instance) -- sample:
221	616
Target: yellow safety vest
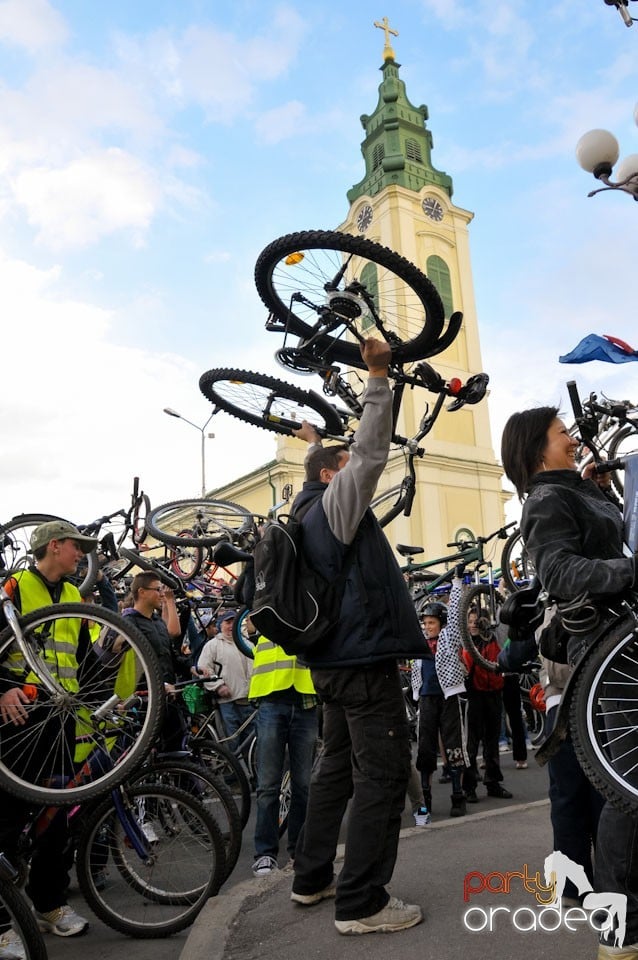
59	651
274	669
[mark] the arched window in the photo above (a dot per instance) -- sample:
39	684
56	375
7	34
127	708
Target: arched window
413	151
439	273
377	156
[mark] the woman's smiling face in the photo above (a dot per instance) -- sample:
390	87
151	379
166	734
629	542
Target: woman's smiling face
560	448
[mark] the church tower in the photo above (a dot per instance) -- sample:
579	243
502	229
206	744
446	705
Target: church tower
404	203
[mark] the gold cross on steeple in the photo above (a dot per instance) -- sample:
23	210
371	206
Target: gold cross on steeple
388	52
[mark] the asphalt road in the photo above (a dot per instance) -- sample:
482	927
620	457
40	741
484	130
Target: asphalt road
482	823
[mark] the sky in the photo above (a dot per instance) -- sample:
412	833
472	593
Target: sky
150	150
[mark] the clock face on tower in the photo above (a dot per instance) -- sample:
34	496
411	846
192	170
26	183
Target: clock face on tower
364	218
432	209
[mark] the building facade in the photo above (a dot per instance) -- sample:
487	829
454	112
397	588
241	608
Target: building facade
404	203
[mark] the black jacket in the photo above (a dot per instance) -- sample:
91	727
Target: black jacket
378	619
574	536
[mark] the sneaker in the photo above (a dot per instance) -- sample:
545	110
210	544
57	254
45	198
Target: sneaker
503	746
308	899
629	952
396	915
264	866
422	817
63	922
496	790
521	765
11	946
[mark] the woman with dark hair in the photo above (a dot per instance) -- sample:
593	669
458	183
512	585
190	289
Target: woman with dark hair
573	533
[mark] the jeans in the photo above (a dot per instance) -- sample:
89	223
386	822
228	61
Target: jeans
366	756
233	715
281	725
575	807
616	869
513	709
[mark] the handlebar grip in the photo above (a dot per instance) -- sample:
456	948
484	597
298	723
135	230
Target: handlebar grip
574	399
606	466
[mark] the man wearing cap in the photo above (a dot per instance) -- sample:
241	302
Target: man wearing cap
234	675
57	547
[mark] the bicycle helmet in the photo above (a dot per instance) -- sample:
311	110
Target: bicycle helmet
435	609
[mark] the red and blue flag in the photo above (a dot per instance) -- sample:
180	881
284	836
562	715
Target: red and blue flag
606	348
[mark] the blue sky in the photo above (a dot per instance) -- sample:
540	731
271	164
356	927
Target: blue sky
149	151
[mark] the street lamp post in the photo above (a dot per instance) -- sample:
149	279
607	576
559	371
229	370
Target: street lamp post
598	151
174	413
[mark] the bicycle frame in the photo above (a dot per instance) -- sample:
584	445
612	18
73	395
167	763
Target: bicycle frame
469	553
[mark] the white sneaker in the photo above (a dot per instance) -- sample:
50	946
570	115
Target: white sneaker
309	899
63	922
395	916
422	817
11	946
264	866
627	952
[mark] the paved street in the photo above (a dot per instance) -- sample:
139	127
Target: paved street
255	918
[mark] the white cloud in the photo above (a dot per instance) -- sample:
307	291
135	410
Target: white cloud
31	24
82	414
281	123
218	70
88	199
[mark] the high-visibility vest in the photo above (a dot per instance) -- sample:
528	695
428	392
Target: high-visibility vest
274	669
59	651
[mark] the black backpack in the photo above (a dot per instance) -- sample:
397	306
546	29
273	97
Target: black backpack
293	606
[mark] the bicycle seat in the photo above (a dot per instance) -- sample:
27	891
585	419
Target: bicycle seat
226	553
407	551
523	611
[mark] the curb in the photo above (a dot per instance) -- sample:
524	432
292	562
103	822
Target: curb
214	924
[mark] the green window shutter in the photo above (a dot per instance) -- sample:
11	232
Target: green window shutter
369	280
438	272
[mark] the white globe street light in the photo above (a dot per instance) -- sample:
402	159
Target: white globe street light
597	151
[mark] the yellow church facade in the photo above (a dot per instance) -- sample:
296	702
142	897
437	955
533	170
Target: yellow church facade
405	204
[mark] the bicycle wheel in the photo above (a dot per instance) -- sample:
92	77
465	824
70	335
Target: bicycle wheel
21	918
267	402
622	444
186	561
225	766
345	283
241	635
199	781
486	603
161	892
389	504
83	739
198	523
141	510
602	716
15	538
517	568
151	565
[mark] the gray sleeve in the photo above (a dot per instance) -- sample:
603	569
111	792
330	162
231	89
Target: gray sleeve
349	493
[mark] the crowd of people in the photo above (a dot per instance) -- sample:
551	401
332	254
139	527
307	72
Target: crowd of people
348	689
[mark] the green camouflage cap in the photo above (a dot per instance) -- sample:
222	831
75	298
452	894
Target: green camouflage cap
60	530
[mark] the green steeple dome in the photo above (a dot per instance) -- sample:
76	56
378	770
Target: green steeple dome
397	146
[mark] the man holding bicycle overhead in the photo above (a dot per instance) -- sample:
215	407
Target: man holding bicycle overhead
354	669
57	547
